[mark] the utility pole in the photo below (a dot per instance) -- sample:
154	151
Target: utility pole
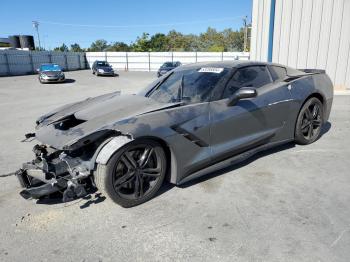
245	34
36	26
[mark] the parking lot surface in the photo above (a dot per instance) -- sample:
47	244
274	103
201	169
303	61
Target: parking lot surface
287	204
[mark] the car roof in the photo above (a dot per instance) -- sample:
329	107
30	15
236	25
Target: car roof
236	64
225	64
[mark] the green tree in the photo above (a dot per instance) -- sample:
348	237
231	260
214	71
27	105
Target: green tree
62	48
159	43
118	47
142	43
98	46
177	41
76	48
210	40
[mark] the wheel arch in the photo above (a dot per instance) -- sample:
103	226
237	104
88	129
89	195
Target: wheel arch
317	95
104	153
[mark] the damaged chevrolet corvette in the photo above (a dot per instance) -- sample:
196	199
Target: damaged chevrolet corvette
194	120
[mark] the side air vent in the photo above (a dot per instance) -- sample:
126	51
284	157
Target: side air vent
67	122
189	136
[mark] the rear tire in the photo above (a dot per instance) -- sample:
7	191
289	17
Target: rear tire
134	174
309	122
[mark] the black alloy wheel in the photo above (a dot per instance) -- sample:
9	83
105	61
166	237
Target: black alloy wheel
309	123
134	174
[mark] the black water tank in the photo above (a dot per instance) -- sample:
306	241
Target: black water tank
14	41
27	41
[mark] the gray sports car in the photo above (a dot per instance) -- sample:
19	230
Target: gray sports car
197	119
50	73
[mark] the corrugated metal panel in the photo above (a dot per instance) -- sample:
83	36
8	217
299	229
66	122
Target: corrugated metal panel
277	30
295	32
315	28
304	34
254	34
344	46
332	59
325	32
18	62
285	31
307	34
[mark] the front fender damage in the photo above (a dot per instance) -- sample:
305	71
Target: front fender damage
112	146
68	170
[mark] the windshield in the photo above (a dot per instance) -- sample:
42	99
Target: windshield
50	67
102	63
191	85
168	64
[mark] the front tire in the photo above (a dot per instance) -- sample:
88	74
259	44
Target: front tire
134	173
309	122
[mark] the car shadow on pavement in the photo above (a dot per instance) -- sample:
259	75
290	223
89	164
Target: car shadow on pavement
325	128
68	81
92	197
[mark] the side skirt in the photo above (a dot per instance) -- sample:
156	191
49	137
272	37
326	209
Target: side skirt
232	160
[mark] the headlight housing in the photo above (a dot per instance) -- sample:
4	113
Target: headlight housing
44	76
100	70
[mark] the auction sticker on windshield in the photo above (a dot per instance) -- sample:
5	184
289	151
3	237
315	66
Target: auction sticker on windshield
216	70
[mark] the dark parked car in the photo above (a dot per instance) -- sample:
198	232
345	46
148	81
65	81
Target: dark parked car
102	68
197	119
50	73
166	67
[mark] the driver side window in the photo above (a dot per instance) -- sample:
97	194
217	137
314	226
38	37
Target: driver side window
251	76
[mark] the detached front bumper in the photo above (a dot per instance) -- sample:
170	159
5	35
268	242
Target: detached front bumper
53	172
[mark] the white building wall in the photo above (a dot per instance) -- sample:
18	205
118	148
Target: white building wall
307	34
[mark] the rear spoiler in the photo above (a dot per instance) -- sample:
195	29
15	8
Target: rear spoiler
306	72
313	71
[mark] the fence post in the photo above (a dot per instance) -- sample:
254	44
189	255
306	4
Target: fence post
222	56
7	64
172	56
66	60
31	61
50	57
127	61
79	59
149	61
196	57
106	56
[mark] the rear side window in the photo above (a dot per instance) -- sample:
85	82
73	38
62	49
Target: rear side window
278	73
251	76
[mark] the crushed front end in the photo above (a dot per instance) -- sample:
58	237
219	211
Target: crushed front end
56	171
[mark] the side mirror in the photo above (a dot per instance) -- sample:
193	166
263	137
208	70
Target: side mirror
242	93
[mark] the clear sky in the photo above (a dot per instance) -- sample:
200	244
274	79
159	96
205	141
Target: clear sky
85	21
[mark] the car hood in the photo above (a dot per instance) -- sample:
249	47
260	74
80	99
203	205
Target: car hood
66	125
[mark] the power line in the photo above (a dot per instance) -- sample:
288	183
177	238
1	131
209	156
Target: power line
143	25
